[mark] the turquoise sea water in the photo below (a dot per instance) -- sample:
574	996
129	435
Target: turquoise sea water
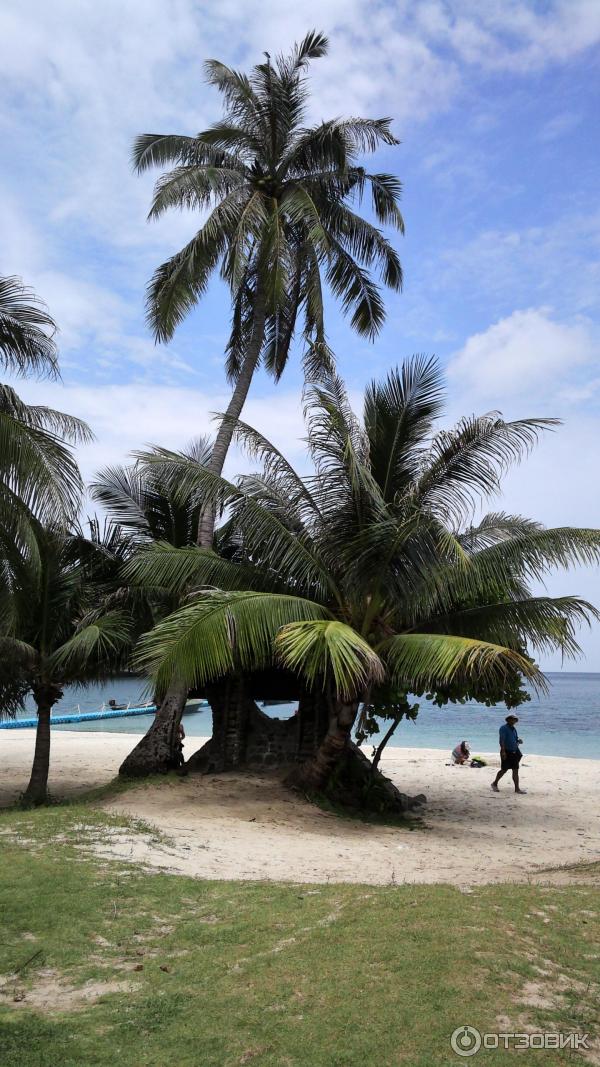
565	722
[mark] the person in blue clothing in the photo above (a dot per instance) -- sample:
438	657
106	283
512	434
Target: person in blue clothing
510	753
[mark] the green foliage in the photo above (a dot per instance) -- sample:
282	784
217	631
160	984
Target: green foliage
54	626
38	472
277	199
360	574
27	331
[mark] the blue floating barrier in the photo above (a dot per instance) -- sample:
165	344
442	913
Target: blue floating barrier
86	716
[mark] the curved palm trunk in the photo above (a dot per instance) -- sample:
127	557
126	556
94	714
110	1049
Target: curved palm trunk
206	525
315	773
155	753
45	698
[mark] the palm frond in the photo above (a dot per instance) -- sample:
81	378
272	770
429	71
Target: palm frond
220	632
358	293
493	527
466	463
193	188
38	468
546	624
165	567
96	646
27	331
398	417
178	284
325	650
418	662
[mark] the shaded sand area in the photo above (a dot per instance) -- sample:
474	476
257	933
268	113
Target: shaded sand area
249	827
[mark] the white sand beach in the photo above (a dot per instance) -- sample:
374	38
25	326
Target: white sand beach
249	827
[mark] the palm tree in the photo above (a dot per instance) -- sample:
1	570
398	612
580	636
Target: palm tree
37	468
280	223
38	472
369	576
143	503
53	631
27	331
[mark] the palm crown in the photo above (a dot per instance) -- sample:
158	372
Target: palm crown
277	194
53	630
370	570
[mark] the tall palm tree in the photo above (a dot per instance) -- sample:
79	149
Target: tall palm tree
53	632
369	576
280	223
143	502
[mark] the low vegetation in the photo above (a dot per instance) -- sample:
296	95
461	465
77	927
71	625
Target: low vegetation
103	962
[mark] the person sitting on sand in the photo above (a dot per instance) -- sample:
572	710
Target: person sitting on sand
510	753
461	753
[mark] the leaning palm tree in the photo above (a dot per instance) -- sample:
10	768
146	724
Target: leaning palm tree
280	223
369	576
53	632
143	502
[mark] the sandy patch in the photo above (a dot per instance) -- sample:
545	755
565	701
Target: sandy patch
52	994
249	827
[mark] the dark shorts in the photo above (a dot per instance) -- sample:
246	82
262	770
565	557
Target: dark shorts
511	761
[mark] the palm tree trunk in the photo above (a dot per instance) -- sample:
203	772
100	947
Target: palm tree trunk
206	525
316	772
379	750
155	752
37	791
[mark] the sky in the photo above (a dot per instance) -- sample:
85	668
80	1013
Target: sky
496	107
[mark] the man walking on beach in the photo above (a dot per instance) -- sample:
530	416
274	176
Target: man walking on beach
510	753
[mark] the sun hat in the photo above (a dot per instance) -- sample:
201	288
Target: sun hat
511	718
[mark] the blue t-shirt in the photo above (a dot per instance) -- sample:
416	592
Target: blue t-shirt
509	738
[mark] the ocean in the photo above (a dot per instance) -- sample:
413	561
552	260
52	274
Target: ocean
564	722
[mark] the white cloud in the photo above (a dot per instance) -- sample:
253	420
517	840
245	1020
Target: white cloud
559	125
530	364
128	417
95	75
556	484
526	356
559	262
512	35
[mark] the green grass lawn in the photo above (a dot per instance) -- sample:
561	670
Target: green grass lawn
231	973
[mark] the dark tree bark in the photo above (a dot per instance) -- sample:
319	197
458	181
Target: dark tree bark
155	753
379	750
313	716
315	773
45	696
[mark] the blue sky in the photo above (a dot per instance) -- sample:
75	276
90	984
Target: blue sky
496	105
